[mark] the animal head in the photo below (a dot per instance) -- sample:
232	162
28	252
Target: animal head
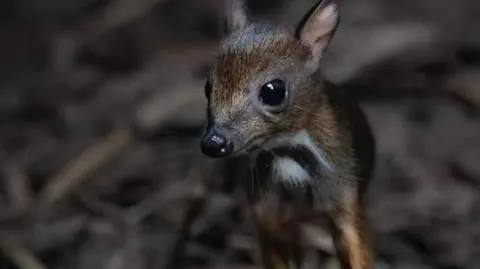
264	80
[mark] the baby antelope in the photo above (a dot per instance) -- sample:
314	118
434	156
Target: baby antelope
312	146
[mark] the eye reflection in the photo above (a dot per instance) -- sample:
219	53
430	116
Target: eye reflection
273	93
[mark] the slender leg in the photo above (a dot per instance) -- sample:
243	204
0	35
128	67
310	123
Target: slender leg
279	236
350	235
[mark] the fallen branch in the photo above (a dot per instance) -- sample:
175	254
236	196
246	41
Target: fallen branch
87	164
18	253
117	14
17	185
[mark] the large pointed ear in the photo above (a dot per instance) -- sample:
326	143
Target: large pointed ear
236	15
318	27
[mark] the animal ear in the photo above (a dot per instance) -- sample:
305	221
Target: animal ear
318	27
236	15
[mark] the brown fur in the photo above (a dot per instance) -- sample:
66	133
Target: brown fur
248	58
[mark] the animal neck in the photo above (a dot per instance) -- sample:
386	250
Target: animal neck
322	123
298	159
305	153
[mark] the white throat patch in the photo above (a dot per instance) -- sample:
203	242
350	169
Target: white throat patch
290	171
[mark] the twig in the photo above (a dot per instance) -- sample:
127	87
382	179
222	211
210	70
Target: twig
155	201
192	187
47	235
462	86
195	207
81	169
117	14
149	117
16	183
107	210
15	250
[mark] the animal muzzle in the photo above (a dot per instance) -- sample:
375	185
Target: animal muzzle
215	143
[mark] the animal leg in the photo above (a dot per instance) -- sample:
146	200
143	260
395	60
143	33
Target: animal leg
279	237
350	235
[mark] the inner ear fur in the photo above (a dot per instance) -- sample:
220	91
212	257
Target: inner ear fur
318	27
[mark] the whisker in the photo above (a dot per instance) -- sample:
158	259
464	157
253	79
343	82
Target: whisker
252	173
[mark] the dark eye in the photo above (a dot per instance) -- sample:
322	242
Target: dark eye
208	89
273	93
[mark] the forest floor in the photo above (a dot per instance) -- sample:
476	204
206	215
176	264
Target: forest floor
101	105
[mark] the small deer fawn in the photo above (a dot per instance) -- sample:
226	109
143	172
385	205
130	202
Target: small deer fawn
312	146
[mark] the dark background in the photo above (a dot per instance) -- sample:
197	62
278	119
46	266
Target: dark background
101	103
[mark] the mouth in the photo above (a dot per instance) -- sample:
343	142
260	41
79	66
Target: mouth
251	146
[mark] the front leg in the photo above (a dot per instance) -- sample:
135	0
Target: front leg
278	234
350	233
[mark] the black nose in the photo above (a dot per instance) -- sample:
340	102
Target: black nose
214	144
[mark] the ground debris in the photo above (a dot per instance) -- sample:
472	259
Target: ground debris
101	112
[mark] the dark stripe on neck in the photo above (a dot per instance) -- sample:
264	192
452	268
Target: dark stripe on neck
303	156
